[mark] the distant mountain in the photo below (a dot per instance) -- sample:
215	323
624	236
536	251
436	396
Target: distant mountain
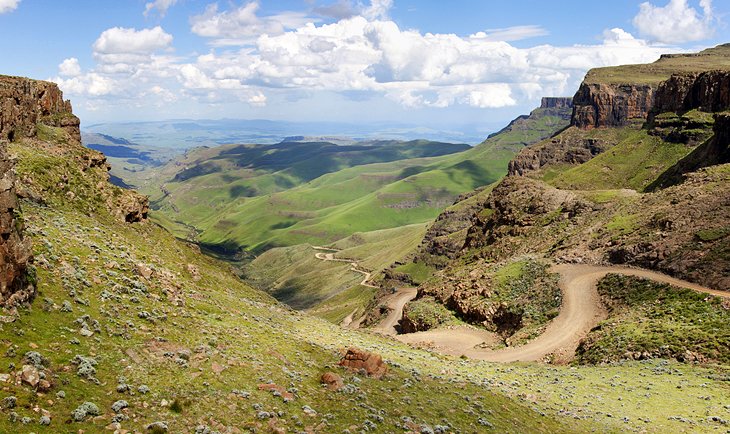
185	133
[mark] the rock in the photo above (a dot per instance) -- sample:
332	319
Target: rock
333	381
359	360
16	278
144	271
44	386
24	103
30	375
119	405
598	105
157	427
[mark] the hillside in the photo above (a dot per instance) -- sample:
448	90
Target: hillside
125	328
119	326
254	197
330	290
639	179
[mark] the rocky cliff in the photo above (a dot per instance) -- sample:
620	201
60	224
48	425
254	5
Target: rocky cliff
607	105
556	102
445	238
24	103
35	119
16	284
707	91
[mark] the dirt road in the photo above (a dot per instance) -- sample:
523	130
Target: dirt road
581	310
354	267
395	303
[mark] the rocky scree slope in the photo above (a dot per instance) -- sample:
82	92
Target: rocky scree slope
133	331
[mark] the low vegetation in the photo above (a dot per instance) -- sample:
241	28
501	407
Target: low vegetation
655	320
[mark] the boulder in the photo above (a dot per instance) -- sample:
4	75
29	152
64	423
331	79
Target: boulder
358	360
332	381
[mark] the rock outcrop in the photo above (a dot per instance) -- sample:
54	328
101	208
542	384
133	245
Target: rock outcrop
707	91
24	103
606	105
35	113
556	102
16	285
358	360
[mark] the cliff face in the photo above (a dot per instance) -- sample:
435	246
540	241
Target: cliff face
707	91
35	118
15	251
24	103
556	102
607	105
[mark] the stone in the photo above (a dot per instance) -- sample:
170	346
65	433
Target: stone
333	381
144	271
30	375
358	360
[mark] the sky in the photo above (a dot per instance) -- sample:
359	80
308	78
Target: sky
424	62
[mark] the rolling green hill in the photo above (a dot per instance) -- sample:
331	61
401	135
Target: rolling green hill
249	198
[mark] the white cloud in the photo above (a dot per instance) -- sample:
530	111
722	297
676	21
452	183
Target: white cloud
271	58
69	67
515	33
8	5
91	84
161	5
241	25
378	9
257	100
120	40
675	23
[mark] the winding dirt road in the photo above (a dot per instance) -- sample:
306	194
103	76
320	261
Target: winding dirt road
353	265
580	312
395	303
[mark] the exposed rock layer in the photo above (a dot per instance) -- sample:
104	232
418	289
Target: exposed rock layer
24	103
15	251
604	105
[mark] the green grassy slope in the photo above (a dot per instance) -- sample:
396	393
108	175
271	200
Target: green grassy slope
328	289
125	312
362	198
654	73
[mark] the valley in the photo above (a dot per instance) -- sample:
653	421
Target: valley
569	273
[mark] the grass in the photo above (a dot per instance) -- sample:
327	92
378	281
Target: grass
713	234
417	271
426	313
651	320
296	277
633	162
654	73
284	209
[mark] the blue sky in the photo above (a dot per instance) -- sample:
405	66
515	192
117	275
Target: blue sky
424	62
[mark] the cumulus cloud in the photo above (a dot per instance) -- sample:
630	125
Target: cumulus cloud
675	23
378	9
515	33
259	58
241	25
70	67
91	84
120	40
8	5
160	5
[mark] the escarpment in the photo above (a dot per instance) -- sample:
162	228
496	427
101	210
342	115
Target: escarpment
40	126
605	105
707	91
24	103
